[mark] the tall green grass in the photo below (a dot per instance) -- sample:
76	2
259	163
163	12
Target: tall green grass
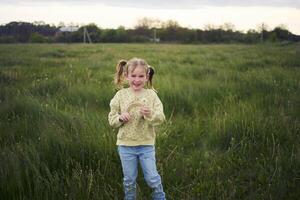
232	128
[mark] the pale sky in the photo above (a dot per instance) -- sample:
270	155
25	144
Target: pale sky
244	15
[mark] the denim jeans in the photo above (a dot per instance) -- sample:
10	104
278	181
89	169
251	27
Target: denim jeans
145	154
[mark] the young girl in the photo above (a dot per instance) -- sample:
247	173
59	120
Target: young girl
136	111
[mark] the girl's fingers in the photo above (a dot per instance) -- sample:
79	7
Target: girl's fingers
125	117
145	111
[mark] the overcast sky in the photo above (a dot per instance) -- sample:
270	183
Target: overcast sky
168	4
244	15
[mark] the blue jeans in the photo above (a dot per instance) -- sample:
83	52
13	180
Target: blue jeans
145	154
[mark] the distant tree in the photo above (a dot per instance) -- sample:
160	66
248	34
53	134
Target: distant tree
170	31
37	38
272	37
263	30
45	29
93	30
199	35
20	30
188	35
209	27
170	24
143	27
252	36
148	23
66	37
121	34
281	33
109	35
228	27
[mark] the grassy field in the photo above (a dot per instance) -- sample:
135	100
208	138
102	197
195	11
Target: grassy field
232	130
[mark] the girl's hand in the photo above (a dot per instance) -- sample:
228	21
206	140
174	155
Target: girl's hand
145	111
124	117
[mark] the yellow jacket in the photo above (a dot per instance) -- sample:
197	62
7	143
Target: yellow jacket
139	130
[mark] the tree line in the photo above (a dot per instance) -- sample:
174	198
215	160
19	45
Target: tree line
146	30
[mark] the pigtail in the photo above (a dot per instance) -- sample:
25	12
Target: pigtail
119	75
150	73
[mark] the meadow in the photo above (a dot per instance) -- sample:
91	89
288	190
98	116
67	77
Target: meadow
232	128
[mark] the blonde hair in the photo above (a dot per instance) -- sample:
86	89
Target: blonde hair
123	67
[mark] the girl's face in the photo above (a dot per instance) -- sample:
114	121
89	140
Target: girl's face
137	78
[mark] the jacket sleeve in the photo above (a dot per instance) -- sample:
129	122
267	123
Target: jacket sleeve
157	116
114	114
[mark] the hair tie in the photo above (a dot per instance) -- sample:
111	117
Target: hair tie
123	63
150	71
